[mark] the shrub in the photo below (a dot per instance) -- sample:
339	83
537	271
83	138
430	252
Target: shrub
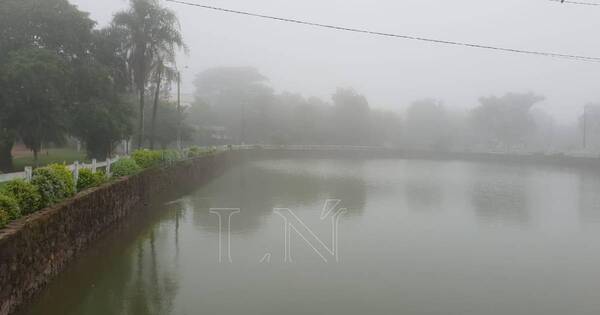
26	195
4	218
193	152
198	152
147	158
54	183
88	179
10	207
66	176
170	156
125	167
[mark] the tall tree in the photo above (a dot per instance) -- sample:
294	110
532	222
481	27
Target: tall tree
100	116
163	75
505	120
240	100
54	25
351	117
427	125
166	131
109	48
36	93
152	34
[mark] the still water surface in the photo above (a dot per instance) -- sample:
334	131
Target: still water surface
418	237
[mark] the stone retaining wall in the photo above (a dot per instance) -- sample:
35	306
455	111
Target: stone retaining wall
35	248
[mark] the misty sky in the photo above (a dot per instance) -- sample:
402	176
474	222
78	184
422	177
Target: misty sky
394	72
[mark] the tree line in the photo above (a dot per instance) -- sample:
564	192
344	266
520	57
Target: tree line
61	76
241	103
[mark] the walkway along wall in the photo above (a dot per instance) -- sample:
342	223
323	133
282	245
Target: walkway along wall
37	247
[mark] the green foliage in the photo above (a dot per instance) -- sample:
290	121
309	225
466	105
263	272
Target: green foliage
54	183
198	152
125	167
88	179
10	206
153	35
54	68
65	176
4	218
147	158
26	195
170	156
165	132
101	124
48	186
102	117
36	94
54	24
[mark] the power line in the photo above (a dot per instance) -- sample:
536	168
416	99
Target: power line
409	37
576	2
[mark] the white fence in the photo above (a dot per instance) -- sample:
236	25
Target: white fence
75	167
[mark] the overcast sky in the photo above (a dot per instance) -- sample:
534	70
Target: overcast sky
394	72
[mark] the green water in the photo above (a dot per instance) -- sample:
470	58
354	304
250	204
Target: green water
418	237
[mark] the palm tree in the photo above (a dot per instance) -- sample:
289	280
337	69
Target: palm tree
162	72
153	35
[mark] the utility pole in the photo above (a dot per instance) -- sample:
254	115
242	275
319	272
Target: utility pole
179	118
243	129
585	127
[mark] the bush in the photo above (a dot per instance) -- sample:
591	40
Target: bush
125	167
4	218
89	179
66	176
10	207
26	195
198	152
170	156
147	158
54	183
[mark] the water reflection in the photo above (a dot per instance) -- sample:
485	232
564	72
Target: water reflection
589	197
423	195
126	273
500	195
271	188
399	253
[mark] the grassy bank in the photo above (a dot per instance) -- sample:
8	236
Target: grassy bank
45	158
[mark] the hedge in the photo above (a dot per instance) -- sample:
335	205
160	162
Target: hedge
26	195
10	207
170	156
198	152
4	218
147	158
88	179
54	183
125	167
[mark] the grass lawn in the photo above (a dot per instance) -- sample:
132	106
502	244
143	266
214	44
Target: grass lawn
53	156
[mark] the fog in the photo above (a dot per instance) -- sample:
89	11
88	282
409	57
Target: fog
392	73
456	145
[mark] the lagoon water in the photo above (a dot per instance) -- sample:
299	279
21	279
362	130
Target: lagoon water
418	237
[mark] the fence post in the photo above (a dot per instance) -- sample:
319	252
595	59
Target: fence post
108	166
76	171
93	165
28	173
